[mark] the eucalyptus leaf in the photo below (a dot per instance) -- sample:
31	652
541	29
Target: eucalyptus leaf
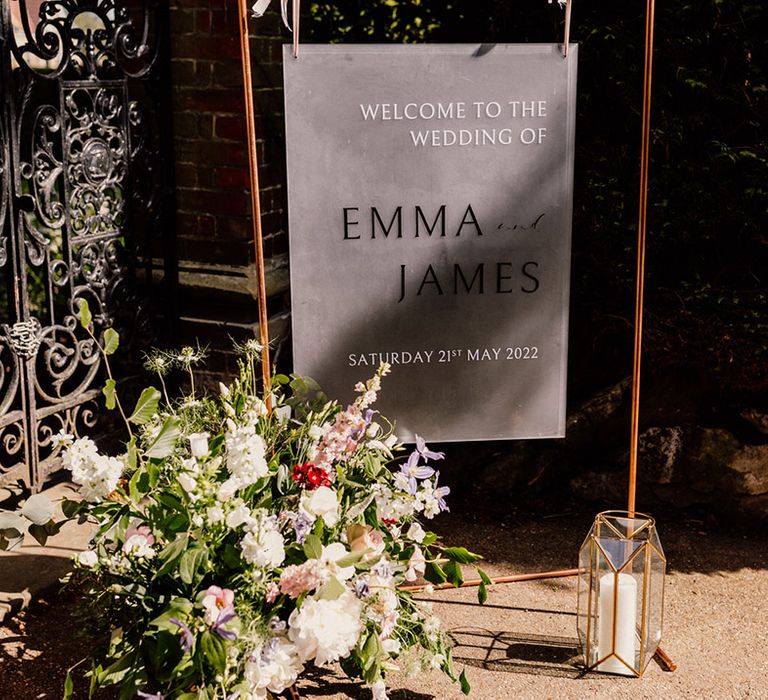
38	509
84	313
111	341
109	393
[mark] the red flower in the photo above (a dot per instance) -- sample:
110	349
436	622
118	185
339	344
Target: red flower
310	477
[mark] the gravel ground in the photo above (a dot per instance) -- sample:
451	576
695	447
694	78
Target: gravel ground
522	643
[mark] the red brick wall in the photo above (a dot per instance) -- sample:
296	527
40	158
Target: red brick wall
213	224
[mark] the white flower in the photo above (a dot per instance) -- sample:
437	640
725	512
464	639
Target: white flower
391	646
187	481
63	439
326	630
227	490
246	459
96	474
263	549
416	532
198	444
215	515
331	556
139	544
274	667
283	414
416	566
316	432
88	559
379	691
322	503
241	515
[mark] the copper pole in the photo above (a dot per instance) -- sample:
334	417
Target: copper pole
641	234
474	583
567	31
253	158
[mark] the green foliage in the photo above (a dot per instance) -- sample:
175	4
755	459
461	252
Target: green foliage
146	406
111	341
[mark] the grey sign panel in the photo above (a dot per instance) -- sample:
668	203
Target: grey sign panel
430	200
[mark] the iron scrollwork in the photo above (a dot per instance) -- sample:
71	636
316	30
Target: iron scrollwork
73	187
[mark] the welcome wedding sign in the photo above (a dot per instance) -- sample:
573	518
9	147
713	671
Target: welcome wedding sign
430	202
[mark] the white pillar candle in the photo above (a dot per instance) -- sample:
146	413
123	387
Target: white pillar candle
626	617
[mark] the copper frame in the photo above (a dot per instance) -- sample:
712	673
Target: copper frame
664	660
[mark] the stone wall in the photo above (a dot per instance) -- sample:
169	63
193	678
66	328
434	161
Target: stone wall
213	221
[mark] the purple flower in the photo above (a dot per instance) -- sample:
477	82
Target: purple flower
440	493
148	696
413	472
187	638
224	617
234	696
425	452
301	526
362	589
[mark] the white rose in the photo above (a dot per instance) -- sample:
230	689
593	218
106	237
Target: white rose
88	559
322	503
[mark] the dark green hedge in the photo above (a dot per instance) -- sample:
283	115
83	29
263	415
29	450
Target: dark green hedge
707	276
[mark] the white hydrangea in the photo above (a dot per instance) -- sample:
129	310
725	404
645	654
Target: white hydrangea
326	630
263	548
96	474
274	667
246	460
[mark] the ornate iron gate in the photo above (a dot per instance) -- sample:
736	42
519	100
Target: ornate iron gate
81	174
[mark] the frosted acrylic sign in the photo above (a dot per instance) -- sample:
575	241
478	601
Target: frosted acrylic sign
430	199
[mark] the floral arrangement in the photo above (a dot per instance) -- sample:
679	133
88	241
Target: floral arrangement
237	543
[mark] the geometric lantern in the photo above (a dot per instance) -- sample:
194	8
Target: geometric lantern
621	593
